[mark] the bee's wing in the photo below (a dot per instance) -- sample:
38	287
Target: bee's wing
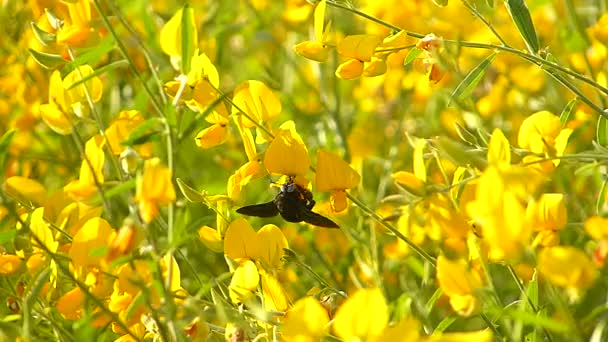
318	220
260	210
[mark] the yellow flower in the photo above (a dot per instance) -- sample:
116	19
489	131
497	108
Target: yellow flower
414	182
542	133
78	32
244	282
547	215
260	105
9	263
498	210
121	128
350	69
198	89
258	254
305	321
91	171
336	176
25	190
316	50
56	112
459	283
499	149
567	267
362	317
287	154
154	189
600	30
211	239
375	67
360	47
171	34
71	304
313	50
88	244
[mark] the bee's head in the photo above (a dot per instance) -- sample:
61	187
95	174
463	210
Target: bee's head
288	187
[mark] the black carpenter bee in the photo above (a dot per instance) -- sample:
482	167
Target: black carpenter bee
294	203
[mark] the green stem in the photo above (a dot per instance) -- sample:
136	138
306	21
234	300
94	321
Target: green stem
393	230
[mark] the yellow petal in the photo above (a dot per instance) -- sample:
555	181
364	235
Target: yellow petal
211	239
567	267
42	234
407	330
91	170
548	212
499	150
477	336
287	154
363	316
271	251
338	200
333	173
25	190
359	47
597	227
313	50
257	101
93	85
171	33
307	318
319	20
244	282
156	185
274	295
418	158
121	127
411	183
90	244
211	136
350	69
375	67
241	241
70	305
9	263
56	119
201	69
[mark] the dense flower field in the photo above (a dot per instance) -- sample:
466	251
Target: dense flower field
336	170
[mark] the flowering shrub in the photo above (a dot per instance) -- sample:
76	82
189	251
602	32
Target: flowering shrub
459	146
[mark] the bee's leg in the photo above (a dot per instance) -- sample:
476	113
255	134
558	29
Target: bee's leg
310	203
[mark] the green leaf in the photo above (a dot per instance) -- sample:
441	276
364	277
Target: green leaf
602	131
565	115
189	39
45	38
47	60
468	84
144	132
5	142
7	237
445	324
54	20
465	135
521	17
121	188
100	71
190	193
434	298
411	56
95	55
536	320
532	291
490	3
601	198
